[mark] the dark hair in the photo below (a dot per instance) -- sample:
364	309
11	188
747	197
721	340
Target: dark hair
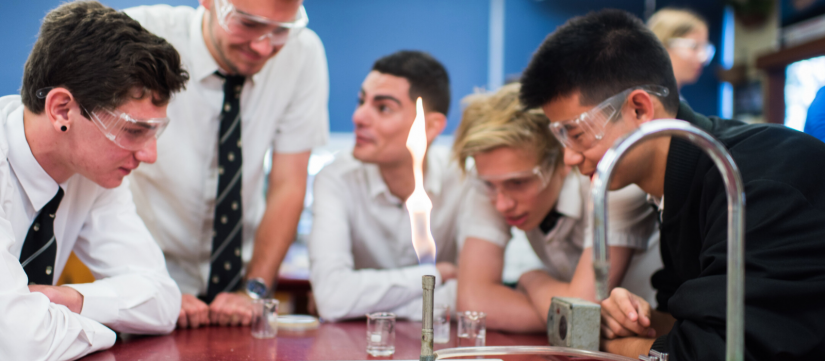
428	78
99	55
599	55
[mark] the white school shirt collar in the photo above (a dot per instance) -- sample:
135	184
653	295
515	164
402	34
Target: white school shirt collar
569	202
39	187
203	64
377	186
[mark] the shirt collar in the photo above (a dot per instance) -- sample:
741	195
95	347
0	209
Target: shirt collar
203	64
432	175
39	187
432	178
569	203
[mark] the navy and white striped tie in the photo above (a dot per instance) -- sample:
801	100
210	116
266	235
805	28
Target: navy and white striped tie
40	247
225	262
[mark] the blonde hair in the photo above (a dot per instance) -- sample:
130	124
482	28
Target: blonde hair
669	23
494	120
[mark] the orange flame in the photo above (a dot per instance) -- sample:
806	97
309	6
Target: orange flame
419	204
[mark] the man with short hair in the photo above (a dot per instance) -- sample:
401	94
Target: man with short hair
361	253
259	82
94	95
602	75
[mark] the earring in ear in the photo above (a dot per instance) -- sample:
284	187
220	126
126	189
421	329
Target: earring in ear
63	128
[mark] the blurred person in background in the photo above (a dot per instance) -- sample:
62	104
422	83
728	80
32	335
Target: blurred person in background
361	252
685	36
259	82
521	182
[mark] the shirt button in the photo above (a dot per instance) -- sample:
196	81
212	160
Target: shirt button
238	88
36	227
48	270
237	252
227	266
230	156
51	215
234	206
220	170
224	219
239	143
215	279
227	107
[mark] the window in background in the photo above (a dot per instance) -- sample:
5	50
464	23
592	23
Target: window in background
802	80
726	61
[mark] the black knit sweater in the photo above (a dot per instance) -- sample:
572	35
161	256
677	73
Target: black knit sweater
784	176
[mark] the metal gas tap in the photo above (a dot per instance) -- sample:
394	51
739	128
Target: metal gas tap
735	328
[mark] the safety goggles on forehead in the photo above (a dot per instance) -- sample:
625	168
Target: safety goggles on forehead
685	47
583	132
516	185
127	132
256	28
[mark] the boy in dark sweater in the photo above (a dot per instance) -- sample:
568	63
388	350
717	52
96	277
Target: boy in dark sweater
600	76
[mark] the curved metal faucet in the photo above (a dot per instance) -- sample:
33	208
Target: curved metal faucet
735	332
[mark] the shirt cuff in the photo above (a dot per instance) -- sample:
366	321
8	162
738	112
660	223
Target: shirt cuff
100	303
97	335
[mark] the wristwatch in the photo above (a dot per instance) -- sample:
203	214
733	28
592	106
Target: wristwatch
256	288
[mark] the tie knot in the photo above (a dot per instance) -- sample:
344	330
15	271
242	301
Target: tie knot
231	79
55	202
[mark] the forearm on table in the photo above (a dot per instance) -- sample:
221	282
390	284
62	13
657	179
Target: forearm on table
480	266
541	288
34	328
506	308
662	322
629	346
341	292
140	303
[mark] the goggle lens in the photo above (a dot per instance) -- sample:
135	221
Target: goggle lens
127	132
583	132
257	28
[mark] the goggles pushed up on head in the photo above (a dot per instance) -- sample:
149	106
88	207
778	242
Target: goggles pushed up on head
583	132
253	27
127	132
516	185
686	48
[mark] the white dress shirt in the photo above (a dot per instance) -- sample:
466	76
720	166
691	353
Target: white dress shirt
132	292
360	250
631	223
283	107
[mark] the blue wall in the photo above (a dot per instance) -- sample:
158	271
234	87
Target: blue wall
20	24
357	32
527	23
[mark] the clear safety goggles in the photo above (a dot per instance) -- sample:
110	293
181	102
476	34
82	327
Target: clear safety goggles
127	132
688	48
516	185
583	132
256	28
